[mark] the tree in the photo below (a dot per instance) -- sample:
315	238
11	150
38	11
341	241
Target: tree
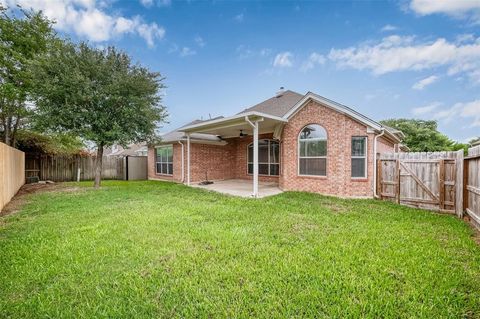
21	41
98	95
423	136
52	144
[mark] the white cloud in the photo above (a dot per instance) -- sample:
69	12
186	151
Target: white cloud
146	3
150	32
265	52
420	85
469	9
313	60
160	3
445	6
400	53
422	110
283	59
245	52
467	37
89	20
468	110
199	41
186	51
388	28
238	18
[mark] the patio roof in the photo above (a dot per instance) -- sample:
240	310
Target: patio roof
231	126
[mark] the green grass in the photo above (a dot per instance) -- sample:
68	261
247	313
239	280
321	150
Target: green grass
153	249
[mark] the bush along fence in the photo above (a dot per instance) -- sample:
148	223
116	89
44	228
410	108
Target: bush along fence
443	181
12	174
71	168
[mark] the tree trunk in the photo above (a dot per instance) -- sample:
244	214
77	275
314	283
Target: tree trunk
98	165
14	132
6	132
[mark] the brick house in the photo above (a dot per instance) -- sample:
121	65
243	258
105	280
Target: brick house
300	142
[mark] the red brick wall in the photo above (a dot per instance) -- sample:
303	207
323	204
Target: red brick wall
340	129
215	160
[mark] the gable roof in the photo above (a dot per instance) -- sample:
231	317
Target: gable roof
393	133
277	105
281	108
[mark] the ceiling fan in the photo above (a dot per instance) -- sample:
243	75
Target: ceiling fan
242	134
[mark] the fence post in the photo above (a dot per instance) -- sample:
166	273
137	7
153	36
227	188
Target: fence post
379	178
441	183
397	168
460	181
465	182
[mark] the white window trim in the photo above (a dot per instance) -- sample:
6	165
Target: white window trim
300	157
364	156
269	163
157	162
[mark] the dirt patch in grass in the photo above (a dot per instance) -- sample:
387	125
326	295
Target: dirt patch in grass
21	198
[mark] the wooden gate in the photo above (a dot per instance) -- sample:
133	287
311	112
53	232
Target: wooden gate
424	180
471	191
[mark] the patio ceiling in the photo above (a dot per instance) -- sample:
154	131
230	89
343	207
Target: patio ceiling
231	126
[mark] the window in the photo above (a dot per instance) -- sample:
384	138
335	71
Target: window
164	160
268	158
312	145
359	157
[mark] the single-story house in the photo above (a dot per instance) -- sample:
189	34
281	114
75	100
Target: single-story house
302	142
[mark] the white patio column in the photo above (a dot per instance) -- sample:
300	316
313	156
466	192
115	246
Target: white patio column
255	159
188	158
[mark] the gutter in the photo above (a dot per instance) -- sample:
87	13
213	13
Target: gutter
375	195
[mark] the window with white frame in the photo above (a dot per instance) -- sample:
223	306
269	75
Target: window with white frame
312	151
164	160
359	157
268	158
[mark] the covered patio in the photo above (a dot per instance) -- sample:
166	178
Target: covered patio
248	123
241	188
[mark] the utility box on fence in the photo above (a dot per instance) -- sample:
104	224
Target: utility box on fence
135	168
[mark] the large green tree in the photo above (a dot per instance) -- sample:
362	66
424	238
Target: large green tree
423	135
22	39
98	95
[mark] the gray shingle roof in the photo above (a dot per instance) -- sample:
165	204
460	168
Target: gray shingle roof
277	106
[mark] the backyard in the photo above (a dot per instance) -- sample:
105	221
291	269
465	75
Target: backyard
157	249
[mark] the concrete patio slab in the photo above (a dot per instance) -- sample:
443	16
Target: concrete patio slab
242	188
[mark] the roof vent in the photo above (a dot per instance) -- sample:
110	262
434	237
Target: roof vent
280	92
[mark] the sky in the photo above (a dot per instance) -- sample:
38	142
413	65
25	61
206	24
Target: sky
392	59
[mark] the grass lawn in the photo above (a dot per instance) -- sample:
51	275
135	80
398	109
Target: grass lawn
154	249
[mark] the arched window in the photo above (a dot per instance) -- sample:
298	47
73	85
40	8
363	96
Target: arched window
312	151
268	158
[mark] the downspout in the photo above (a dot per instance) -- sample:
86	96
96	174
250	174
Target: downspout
375	163
183	159
188	159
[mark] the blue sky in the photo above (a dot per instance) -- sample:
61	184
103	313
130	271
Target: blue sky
418	58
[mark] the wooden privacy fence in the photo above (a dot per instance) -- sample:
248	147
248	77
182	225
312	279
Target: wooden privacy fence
471	190
12	174
426	180
72	168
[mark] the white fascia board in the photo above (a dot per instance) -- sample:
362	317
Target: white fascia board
241	117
